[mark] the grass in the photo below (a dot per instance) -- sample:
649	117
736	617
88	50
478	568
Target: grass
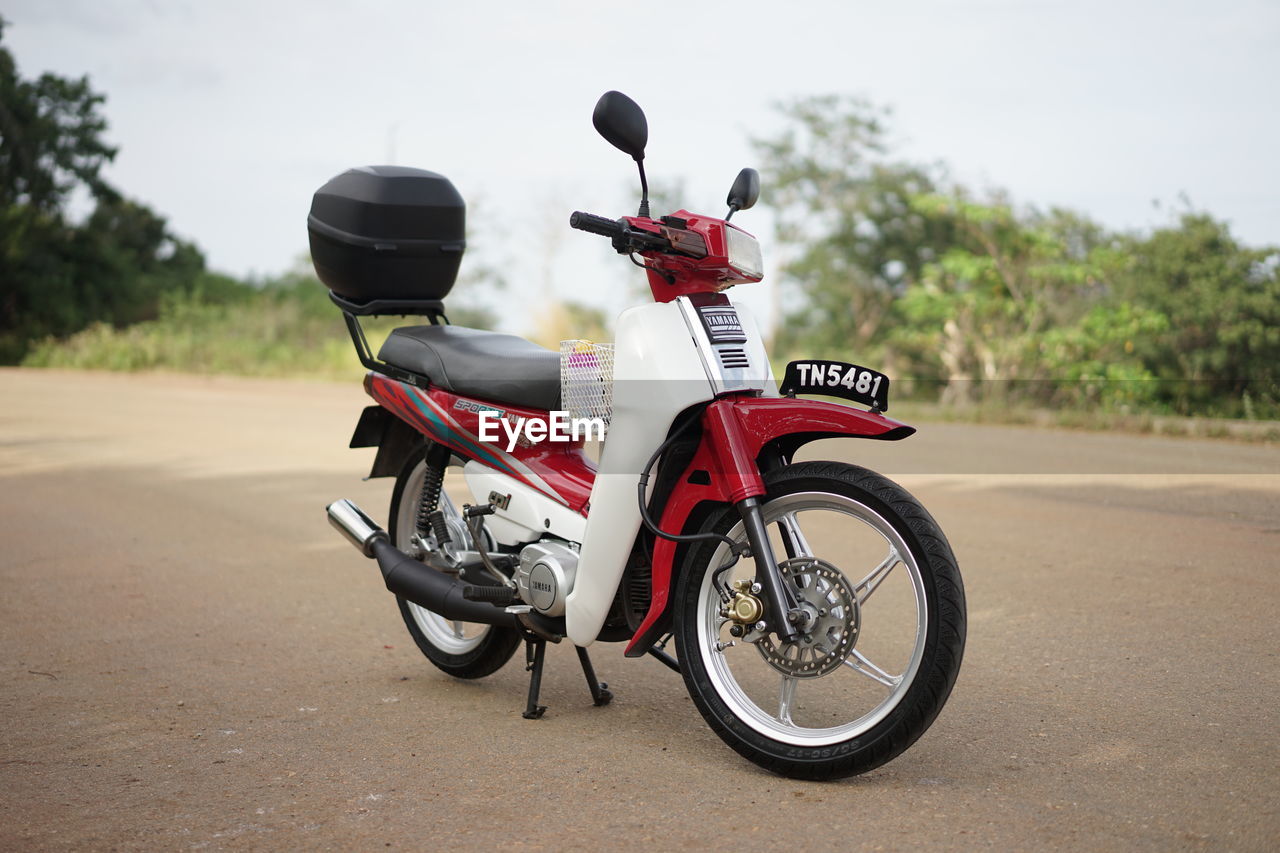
267	333
293	331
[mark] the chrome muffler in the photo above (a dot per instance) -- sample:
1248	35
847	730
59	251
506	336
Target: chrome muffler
359	529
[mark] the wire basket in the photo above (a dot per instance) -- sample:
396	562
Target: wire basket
586	379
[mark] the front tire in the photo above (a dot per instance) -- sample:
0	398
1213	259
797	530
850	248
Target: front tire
461	649
873	672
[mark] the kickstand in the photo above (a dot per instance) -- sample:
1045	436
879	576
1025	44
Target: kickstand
535	651
600	693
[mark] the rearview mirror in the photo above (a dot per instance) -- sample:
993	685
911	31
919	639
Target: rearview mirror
744	192
622	123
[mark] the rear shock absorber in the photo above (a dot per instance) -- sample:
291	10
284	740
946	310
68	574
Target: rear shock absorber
429	515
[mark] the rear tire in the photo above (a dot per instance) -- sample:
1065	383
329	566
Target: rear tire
461	649
874	672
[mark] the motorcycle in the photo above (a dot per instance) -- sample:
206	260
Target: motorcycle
816	608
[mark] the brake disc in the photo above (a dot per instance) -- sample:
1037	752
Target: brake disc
831	631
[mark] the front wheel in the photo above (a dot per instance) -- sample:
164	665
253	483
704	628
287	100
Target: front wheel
880	649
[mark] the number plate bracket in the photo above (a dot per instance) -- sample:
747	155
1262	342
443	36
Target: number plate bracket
837	379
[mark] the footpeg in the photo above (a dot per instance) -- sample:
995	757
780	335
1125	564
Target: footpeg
440	528
499	596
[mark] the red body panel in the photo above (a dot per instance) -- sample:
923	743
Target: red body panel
709	274
735	429
560	470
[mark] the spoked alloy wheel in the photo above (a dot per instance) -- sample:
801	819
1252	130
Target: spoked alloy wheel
881	645
462	649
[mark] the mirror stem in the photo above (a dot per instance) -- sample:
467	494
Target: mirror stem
644	191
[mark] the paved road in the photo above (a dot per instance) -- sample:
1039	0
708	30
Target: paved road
191	658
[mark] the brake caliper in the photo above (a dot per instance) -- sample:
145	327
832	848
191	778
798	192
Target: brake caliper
744	609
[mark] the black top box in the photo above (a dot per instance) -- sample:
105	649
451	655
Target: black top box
387	233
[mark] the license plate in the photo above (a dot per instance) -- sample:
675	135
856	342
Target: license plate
838	379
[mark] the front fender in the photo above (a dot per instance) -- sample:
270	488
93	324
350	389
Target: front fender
738	433
787	423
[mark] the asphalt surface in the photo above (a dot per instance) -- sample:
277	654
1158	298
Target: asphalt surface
192	658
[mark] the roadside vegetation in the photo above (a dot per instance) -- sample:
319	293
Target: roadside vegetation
284	327
972	300
979	308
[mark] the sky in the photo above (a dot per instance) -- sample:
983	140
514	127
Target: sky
229	114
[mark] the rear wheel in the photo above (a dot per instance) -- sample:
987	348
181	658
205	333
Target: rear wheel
880	650
462	649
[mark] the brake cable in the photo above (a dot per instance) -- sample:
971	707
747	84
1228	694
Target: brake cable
737	549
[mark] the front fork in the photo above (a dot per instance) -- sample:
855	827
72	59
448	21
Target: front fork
781	606
745	486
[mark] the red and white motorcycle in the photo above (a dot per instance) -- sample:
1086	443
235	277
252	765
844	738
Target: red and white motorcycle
817	610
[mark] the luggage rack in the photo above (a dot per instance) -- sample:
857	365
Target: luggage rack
432	309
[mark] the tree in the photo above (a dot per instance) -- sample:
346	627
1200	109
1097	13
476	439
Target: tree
50	138
845	217
1020	309
57	277
1222	299
970	294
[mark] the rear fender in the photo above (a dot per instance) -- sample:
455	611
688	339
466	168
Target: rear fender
393	437
741	437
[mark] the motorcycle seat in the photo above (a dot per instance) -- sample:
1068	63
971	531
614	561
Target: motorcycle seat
476	363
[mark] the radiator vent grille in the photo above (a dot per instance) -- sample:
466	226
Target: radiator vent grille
733	357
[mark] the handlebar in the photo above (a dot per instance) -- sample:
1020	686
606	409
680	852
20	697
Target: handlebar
596	224
625	238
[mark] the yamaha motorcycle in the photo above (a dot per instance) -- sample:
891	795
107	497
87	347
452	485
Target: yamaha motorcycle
817	612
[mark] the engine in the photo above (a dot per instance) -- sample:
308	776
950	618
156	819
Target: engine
545	576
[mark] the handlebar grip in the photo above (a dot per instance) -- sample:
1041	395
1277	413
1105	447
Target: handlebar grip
595	224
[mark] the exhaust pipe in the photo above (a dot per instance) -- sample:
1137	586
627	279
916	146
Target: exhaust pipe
407	577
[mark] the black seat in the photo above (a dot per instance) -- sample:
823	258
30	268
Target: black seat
475	363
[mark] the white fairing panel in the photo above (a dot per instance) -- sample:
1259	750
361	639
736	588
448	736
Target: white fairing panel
657	373
528	510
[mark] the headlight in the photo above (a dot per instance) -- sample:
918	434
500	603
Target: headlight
744	252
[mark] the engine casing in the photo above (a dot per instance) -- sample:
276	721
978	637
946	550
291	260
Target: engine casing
545	576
